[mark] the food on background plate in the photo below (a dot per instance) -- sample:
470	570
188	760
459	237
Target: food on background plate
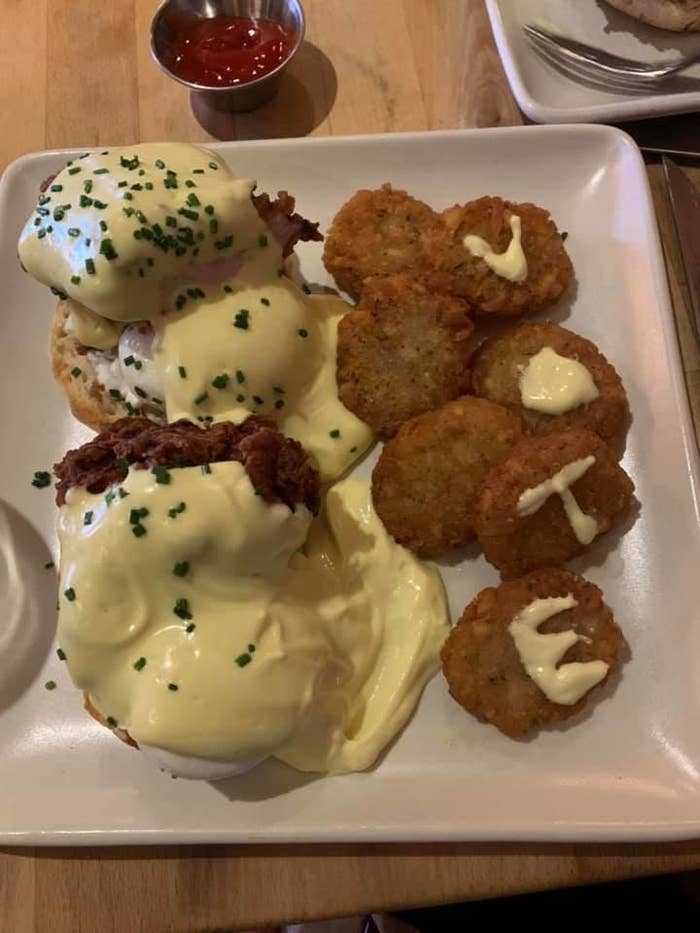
505	259
528	652
554	379
403	351
205	628
549	499
426	483
676	15
383	232
173	301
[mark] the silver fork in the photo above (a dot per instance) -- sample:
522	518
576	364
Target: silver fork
601	67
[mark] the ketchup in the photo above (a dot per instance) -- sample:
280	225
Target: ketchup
228	50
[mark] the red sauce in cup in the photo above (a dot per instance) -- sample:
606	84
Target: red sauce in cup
227	50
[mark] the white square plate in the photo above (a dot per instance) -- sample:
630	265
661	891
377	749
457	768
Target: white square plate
547	96
628	770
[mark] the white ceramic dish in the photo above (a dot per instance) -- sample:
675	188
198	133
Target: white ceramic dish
547	96
626	771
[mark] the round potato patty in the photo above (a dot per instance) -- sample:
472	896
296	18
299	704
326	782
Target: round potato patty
498	363
403	351
382	232
481	663
549	269
426	482
517	543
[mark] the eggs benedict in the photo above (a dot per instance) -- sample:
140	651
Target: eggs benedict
173	301
203	628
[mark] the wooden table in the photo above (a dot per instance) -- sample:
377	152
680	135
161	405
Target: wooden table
83	77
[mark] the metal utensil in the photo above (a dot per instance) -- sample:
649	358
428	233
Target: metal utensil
172	14
685	207
600	67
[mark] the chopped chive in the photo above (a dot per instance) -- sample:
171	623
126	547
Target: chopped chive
100	171
193	200
159	163
177	510
116	394
197	171
202	397
214	166
41	234
190	628
225	243
61	654
109	498
335	433
50	685
209	209
182	371
87	517
190	184
69	594
170	221
128	360
240	398
56	188
73	231
243	659
127	196
162	475
122	184
49	565
138	531
111	722
135	515
85	201
213	225
205	468
181	568
262	240
41	479
190	215
303	332
278	389
140	392
182	608
100	205
251	649
173	687
107	249
75	279
122	493
221	381
353	450
279	403
103	225
90	266
170	181
74	170
265	301
140	664
148	185
87	186
258	400
131	164
241	320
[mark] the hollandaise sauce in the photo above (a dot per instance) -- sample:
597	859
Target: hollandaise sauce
191	618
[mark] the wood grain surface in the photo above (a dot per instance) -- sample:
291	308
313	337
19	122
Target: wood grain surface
76	73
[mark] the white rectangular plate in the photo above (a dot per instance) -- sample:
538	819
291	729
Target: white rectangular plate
628	770
547	96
